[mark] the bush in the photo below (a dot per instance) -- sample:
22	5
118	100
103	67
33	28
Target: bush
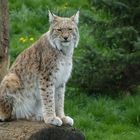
111	63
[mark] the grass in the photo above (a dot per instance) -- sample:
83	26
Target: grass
99	118
104	118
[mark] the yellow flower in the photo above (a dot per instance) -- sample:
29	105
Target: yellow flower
24	40
21	39
31	39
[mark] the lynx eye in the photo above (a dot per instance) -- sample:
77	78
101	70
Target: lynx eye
70	29
59	30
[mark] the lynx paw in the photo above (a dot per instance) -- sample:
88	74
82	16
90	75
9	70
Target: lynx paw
4	118
54	121
68	120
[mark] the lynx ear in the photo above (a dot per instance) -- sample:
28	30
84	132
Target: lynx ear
75	17
52	17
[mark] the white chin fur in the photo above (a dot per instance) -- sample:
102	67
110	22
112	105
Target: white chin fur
66	44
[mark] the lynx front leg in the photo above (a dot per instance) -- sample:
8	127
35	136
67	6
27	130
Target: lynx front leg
59	105
47	91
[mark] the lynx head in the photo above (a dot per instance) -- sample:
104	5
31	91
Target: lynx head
63	33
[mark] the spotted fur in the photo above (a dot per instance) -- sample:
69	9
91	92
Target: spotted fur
35	84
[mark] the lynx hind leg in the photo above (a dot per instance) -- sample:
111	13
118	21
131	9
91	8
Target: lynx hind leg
5	110
9	85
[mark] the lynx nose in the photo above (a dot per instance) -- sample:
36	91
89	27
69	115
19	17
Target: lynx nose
65	38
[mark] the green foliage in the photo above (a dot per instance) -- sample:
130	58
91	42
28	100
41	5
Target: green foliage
111	51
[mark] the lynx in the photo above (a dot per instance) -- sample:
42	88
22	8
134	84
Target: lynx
35	84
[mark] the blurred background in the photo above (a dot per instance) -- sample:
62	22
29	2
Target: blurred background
103	93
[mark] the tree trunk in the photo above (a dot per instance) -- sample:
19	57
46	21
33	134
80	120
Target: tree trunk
29	130
4	43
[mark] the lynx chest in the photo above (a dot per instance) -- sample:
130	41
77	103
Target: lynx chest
64	68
